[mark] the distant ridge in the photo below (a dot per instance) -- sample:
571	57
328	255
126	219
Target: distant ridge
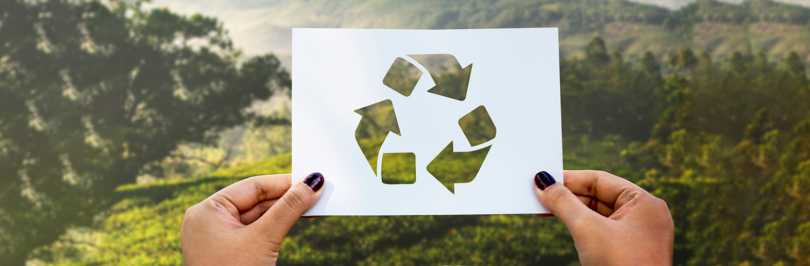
675	4
720	27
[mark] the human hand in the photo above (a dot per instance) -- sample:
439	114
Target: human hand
612	221
244	223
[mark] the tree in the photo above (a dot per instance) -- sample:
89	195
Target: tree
737	62
649	64
596	52
794	64
90	92
684	59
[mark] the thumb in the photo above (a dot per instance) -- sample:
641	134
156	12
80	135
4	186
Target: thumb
561	202
278	220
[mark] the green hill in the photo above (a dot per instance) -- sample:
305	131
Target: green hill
143	227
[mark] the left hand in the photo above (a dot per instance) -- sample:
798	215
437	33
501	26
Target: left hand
245	223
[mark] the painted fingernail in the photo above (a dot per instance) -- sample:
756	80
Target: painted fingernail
543	180
314	181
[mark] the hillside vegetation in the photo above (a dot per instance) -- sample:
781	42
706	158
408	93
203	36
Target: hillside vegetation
143	228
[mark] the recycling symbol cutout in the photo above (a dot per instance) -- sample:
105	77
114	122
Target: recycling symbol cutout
448	167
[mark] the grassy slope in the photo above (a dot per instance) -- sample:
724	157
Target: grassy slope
144	225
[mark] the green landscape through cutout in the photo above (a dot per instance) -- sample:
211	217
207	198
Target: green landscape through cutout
457	167
378	119
398	168
477	126
402	76
448	167
451	80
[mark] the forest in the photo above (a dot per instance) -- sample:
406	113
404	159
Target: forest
94	96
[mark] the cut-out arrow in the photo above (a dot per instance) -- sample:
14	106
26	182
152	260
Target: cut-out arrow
378	119
451	80
451	167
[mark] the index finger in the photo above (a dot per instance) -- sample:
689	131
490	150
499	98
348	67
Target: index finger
605	187
245	194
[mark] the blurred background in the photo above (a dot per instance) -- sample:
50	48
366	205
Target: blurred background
118	115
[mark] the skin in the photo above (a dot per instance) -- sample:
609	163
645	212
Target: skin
244	223
612	221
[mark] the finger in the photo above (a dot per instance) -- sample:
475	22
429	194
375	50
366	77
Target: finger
277	221
562	203
605	187
253	214
244	195
596	205
544	215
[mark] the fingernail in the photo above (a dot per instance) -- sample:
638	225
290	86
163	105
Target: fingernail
314	181
543	180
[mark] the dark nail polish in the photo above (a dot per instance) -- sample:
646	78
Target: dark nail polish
543	180
314	181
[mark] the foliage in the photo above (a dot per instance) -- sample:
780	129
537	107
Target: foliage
91	92
602	94
720	157
267	136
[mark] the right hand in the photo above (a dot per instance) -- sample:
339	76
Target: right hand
612	221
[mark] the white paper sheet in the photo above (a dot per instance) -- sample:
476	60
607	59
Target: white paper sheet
515	75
